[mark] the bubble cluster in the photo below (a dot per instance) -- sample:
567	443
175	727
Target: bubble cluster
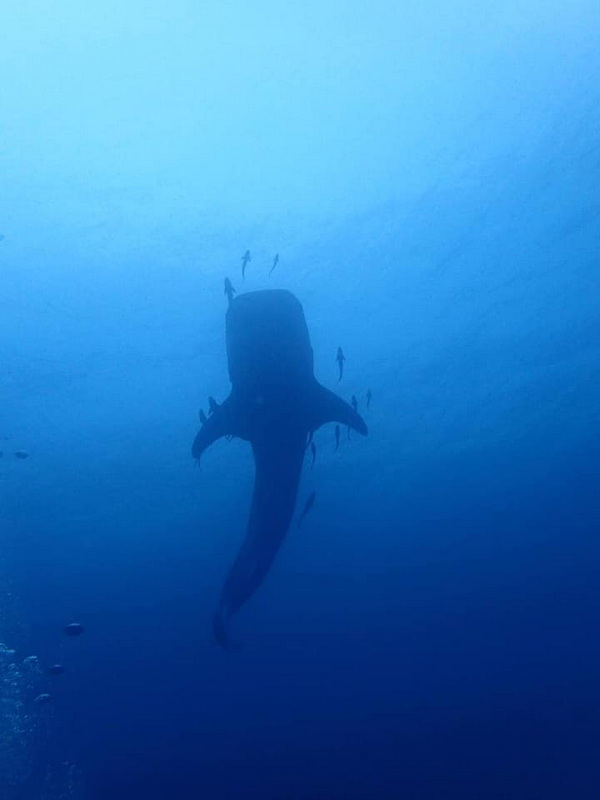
16	725
26	725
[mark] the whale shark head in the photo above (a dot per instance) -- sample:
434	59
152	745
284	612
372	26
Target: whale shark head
268	342
275	403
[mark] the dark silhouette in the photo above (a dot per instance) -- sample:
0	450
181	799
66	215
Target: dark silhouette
337	438
275	262
229	290
310	501
313	450
340	358
369	397
275	401
245	259
212	406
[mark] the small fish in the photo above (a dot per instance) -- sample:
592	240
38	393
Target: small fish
202	416
348	430
21	454
2	237
354	403
310	438
74	629
229	290
42	699
245	259
313	450
307	507
212	405
369	396
337	438
56	669
275	262
340	358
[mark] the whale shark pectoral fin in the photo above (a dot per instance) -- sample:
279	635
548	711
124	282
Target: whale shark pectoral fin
331	408
216	426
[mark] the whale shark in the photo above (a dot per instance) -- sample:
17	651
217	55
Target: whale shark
275	404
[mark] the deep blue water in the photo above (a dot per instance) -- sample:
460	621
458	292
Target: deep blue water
429	175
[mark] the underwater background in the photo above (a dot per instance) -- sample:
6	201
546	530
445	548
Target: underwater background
429	175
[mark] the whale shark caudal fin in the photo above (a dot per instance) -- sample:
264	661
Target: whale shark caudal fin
330	408
221	633
215	427
221	628
278	463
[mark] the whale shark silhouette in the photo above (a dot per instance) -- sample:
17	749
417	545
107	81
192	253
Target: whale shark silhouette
275	403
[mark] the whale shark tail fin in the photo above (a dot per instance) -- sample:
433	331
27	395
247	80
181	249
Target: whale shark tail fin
216	427
221	628
331	408
221	633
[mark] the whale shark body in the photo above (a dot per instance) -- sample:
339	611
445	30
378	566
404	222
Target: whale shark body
275	404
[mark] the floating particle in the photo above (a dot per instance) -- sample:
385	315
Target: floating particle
74	629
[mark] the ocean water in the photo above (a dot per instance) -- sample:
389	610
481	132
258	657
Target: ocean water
429	174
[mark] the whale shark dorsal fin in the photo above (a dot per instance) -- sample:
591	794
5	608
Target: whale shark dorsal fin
216	427
331	408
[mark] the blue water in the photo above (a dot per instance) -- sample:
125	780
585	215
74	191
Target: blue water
428	173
